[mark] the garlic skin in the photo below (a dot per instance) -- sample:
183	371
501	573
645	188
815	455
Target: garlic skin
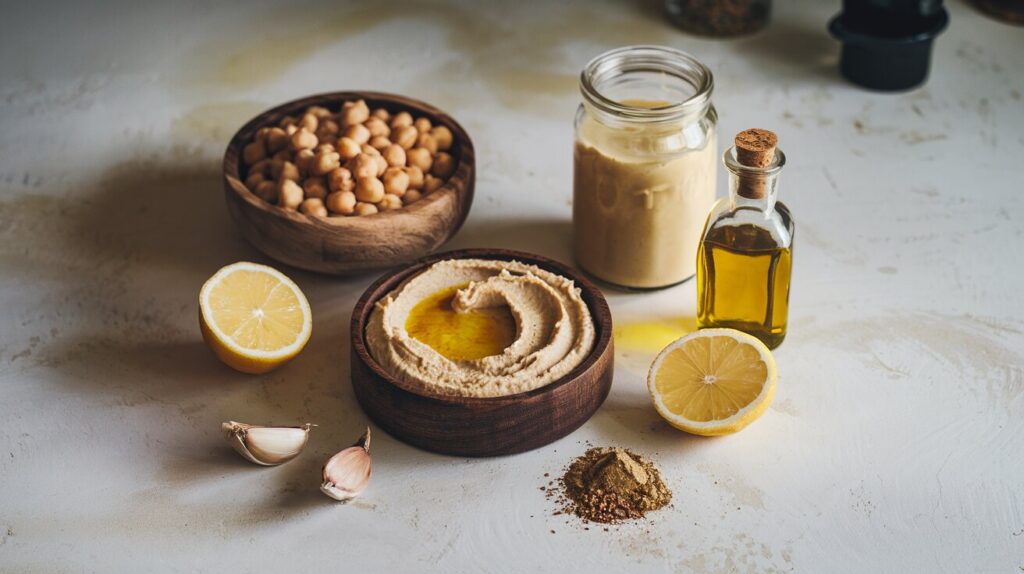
266	446
347	473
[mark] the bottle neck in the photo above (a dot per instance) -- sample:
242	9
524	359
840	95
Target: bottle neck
753	191
753	187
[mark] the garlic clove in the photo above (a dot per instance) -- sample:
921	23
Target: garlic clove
347	473
267	446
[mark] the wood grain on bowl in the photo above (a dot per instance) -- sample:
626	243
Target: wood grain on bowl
468	426
351	245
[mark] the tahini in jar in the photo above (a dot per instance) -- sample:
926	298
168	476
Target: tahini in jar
644	166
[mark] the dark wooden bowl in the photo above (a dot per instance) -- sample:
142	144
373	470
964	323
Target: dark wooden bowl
467	426
351	245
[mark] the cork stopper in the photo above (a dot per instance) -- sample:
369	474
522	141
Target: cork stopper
755	148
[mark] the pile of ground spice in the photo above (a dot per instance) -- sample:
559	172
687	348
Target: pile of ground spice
611	485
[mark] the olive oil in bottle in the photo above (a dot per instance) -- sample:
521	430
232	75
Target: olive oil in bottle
744	262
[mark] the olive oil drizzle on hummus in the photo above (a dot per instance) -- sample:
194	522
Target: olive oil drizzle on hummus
465	336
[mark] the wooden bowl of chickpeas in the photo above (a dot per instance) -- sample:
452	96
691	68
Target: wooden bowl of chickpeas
348	182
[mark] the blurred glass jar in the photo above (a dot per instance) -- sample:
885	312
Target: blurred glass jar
719	17
1009	11
644	166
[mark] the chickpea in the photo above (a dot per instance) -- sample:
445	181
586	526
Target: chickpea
276	140
377	127
396	181
319	111
353	113
364	166
348	148
328	129
411	196
401	119
420	158
365	208
254	179
254	152
304	139
326	162
390	203
261	167
315	188
394	154
290	171
313	206
369	189
339	179
415	177
356	161
266	190
444	165
427	142
443	137
431	184
343	202
289	194
358	132
309	122
281	170
379	142
405	136
304	160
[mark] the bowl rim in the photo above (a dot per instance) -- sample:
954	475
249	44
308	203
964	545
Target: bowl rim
600	315
231	165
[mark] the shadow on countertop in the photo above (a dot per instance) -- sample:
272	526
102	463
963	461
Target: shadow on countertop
108	273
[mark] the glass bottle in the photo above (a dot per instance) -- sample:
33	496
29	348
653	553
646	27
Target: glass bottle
744	263
644	166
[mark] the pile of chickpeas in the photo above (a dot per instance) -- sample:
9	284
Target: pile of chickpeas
354	162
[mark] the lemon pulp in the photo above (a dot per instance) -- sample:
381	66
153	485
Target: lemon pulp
256	311
710	379
253	317
713	382
460	336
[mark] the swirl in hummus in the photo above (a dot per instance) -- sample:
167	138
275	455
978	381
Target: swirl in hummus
554	329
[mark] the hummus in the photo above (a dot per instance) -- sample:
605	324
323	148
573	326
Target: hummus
553	329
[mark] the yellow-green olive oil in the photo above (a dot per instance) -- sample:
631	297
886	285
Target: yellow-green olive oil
743	282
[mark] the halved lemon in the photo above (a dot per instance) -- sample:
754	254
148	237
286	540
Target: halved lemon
253	317
713	381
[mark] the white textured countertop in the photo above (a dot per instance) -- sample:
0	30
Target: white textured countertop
895	442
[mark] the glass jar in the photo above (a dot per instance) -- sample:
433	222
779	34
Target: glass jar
719	18
1008	11
644	166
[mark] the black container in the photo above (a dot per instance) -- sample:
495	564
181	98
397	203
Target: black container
887	44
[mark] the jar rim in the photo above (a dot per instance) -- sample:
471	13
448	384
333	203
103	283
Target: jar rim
647	58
